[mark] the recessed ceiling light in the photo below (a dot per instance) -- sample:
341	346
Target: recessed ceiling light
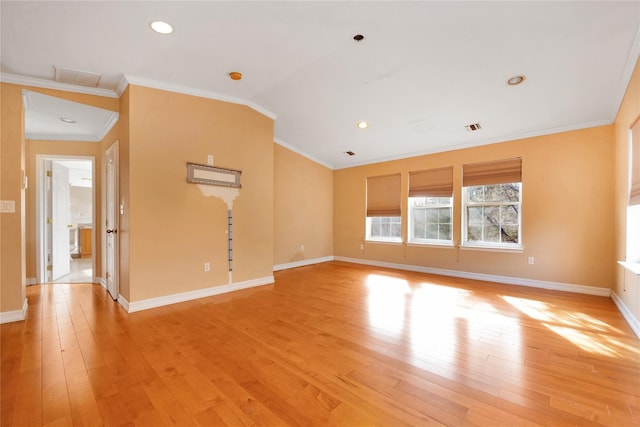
516	80
67	120
161	27
235	75
363	125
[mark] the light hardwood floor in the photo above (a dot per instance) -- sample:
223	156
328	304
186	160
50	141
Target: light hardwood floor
329	344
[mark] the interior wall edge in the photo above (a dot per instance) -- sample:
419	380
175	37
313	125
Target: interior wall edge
633	322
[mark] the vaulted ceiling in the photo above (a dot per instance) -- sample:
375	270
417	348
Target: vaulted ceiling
424	71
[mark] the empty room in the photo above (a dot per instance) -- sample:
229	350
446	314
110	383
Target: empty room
320	213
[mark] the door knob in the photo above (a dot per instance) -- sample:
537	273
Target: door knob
109	231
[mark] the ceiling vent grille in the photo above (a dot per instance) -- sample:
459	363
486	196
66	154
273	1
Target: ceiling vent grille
349	153
76	77
473	127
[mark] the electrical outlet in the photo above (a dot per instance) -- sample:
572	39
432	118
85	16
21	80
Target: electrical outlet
531	260
361	246
207	266
302	247
210	159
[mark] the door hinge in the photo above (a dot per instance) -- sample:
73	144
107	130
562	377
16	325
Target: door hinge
49	220
49	267
49	173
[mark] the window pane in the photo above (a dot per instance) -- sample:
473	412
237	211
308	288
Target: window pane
432	216
508	215
476	194
492	215
445	231
474	233
510	234
419	230
395	229
444	215
375	230
432	231
474	215
491	233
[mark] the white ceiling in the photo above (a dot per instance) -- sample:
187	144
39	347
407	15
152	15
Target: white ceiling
424	71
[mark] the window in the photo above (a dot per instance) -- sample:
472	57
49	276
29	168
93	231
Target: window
491	198
492	214
430	206
430	220
384	221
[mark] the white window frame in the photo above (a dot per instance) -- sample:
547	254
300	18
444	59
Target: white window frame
381	238
410	229
490	245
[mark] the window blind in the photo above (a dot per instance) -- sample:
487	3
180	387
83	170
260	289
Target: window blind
634	194
383	195
495	172
431	183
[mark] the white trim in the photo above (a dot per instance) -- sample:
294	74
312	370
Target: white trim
15	315
100	281
506	138
123	302
31	281
633	267
51	84
506	249
171	87
557	286
191	295
626	313
302	153
632	59
302	263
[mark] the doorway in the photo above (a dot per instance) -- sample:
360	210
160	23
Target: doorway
65	209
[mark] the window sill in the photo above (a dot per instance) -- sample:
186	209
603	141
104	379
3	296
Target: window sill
385	242
631	266
512	250
448	245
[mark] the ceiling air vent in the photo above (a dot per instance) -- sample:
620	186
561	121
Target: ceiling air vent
473	127
349	153
76	77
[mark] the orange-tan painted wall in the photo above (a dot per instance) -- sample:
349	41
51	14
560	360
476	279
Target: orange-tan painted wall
18	230
173	228
303	208
566	204
627	284
12	225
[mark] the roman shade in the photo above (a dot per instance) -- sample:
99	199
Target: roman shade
494	172
431	183
383	195
634	193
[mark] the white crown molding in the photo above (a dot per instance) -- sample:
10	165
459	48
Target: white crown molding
15	315
108	124
508	138
50	84
632	60
132	307
626	313
302	263
509	280
302	153
170	87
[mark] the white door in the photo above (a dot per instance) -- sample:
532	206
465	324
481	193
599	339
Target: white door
111	201
60	202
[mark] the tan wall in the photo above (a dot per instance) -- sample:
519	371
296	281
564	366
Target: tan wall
303	208
627	284
173	228
566	200
12	225
18	234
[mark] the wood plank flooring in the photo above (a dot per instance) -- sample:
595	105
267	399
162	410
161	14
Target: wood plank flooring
330	344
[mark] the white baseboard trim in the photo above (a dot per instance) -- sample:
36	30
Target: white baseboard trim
626	313
134	306
302	263
100	281
123	302
556	286
15	315
32	281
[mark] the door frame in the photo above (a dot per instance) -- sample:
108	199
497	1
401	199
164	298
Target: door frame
114	151
40	219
